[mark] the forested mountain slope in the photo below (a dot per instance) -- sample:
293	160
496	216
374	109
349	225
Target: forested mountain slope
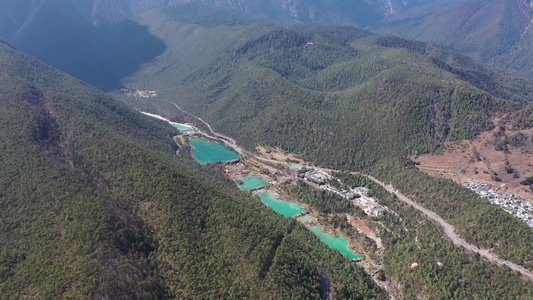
496	33
318	83
343	98
96	204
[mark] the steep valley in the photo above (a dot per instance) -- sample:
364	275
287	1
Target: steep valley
96	204
100	201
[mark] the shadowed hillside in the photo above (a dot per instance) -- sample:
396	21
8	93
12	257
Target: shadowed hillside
62	34
114	53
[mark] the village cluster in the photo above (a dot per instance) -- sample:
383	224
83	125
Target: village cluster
515	205
136	93
359	195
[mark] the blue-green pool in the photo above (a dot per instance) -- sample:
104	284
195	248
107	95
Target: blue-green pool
288	209
181	127
208	151
251	181
340	243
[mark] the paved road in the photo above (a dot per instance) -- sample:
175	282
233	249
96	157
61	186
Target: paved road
325	287
448	229
450	232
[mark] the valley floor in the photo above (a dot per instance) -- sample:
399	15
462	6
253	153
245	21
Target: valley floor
291	162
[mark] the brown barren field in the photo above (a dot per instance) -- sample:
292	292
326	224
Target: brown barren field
479	160
361	225
277	154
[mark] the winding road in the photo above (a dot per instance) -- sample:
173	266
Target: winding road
450	232
448	229
220	136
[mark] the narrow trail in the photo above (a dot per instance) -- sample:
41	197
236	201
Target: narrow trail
527	11
448	229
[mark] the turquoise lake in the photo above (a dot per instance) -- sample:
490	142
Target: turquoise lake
181	127
285	208
206	151
340	243
251	181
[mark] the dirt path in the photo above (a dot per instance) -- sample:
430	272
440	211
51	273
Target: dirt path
362	227
278	154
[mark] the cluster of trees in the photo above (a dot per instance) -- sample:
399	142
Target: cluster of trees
521	141
527	181
325	202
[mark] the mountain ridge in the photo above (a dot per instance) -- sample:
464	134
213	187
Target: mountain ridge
495	33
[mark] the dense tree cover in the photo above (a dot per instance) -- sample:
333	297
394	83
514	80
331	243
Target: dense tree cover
95	204
443	271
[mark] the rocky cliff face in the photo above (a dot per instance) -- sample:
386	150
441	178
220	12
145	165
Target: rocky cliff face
526	6
17	15
357	12
392	7
354	12
497	33
114	11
